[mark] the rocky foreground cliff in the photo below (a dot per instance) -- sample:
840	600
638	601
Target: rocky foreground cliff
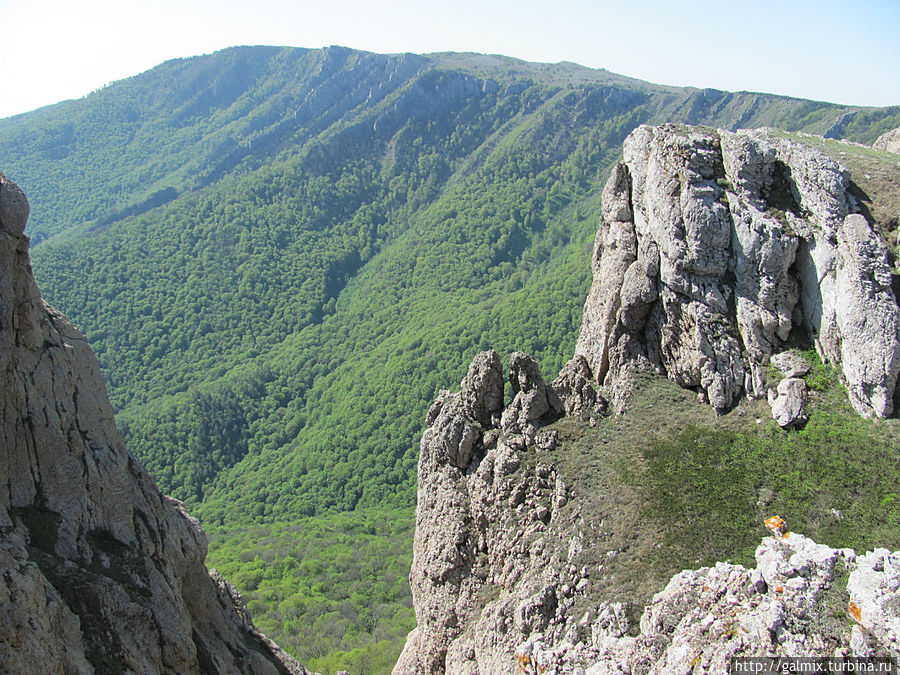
101	572
718	255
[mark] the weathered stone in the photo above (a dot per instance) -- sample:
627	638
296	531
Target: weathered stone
889	141
873	587
452	434
790	364
14	208
704	618
468	537
713	246
573	387
482	389
533	401
867	319
789	403
102	573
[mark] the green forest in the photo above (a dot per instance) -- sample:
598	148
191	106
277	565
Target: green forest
280	256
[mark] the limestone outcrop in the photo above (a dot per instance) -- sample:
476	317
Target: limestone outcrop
714	247
484	573
500	585
715	250
101	572
890	141
791	604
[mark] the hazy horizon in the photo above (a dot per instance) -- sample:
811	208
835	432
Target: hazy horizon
825	51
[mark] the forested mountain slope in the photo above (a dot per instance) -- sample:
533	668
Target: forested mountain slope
280	255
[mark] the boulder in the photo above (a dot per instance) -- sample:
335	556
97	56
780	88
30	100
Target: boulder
790	364
789	403
888	141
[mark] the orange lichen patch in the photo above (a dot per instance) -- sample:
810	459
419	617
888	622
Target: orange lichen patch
528	667
524	663
779	589
775	525
705	587
774	522
855	611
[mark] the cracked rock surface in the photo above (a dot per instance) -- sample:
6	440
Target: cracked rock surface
101	572
715	247
793	603
483	575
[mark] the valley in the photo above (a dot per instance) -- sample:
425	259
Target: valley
281	256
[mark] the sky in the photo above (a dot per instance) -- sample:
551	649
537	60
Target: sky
842	52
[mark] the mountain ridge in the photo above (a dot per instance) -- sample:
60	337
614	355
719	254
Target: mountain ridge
272	338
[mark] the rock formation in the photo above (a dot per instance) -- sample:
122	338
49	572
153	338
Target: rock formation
479	528
889	141
499	585
101	572
790	604
714	247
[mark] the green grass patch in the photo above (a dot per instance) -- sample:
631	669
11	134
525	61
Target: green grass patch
671	486
711	485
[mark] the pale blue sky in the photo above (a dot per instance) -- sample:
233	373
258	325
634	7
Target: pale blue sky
845	52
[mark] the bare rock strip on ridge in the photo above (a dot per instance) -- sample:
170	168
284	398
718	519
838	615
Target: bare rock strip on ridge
101	572
714	246
792	604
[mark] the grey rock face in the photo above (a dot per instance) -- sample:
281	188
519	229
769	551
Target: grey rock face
790	364
713	246
14	207
889	141
102	573
703	618
873	588
482	388
574	389
476	514
789	402
533	399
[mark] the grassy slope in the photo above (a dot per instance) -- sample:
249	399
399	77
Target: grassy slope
677	487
